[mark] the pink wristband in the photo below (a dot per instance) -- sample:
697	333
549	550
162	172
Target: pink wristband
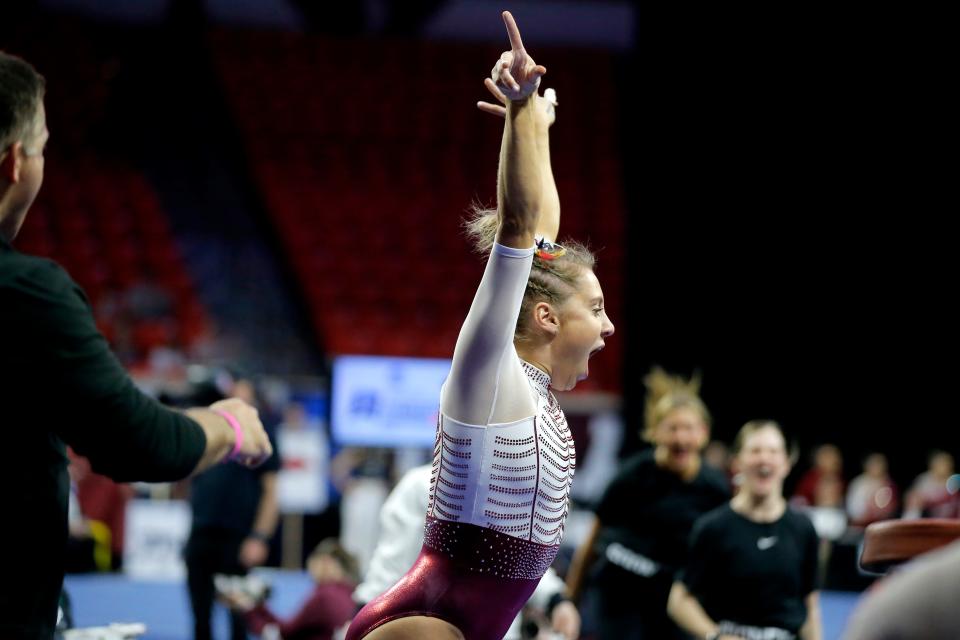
229	417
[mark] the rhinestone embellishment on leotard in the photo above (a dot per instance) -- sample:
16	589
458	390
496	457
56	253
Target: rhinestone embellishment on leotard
511	481
482	550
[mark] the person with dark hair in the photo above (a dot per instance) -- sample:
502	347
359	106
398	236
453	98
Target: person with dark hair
638	541
752	570
328	607
60	385
504	456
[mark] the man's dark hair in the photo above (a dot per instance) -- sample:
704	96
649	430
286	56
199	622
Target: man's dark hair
21	91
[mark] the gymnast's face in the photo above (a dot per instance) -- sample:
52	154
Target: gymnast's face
583	329
679	437
763	462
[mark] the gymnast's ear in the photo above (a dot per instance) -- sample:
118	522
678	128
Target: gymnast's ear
546	319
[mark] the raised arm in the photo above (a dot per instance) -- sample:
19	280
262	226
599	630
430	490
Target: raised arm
548	224
481	375
519	183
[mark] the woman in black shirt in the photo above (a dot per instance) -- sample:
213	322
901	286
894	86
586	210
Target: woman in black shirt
752	566
646	514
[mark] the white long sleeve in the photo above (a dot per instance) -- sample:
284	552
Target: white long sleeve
486	382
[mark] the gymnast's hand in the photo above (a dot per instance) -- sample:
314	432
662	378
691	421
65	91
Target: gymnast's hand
546	104
515	73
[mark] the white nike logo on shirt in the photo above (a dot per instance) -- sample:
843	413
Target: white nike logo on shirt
765	543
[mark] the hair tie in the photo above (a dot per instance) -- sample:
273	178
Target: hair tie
546	250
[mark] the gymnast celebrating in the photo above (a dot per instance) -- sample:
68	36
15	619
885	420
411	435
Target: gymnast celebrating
504	457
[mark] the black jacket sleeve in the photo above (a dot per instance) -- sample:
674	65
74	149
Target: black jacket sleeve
90	402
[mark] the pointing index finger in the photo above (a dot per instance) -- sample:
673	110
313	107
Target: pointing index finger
512	31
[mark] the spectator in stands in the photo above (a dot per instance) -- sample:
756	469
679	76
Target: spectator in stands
822	485
873	495
235	515
639	538
60	385
752	569
931	494
401	536
328	607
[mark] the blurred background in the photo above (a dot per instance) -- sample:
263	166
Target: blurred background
255	189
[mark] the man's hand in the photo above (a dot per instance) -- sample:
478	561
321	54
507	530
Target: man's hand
515	73
255	448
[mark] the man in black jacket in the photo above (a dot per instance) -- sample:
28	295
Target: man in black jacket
60	385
